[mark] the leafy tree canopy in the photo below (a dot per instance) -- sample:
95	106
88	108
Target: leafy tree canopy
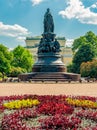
84	54
7	54
89	38
5	60
22	58
84	49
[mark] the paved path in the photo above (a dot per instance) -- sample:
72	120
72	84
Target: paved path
86	89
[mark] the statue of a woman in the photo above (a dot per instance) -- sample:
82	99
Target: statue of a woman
48	22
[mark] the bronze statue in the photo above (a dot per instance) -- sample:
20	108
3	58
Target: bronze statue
48	43
48	22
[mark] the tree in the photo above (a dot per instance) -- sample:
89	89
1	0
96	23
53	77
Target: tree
84	49
84	54
77	43
5	60
22	58
89	38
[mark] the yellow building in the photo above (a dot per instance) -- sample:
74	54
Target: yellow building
67	57
33	42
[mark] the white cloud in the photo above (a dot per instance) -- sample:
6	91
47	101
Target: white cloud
36	2
69	42
21	38
16	31
76	9
94	5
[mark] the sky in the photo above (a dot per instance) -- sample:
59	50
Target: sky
24	18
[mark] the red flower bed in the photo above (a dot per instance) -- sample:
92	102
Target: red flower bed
88	114
15	121
52	113
53	108
60	122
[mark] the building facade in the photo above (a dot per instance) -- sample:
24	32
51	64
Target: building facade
33	42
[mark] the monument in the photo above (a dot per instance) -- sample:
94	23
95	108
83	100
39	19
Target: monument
49	66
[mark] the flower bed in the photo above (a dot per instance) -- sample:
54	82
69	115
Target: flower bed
33	112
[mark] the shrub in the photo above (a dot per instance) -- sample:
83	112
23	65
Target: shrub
15	71
89	69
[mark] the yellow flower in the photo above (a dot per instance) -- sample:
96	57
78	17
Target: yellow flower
35	102
21	103
80	102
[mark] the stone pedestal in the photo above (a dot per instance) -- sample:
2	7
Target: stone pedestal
49	67
49	62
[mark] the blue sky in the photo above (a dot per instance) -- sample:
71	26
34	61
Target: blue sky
22	18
